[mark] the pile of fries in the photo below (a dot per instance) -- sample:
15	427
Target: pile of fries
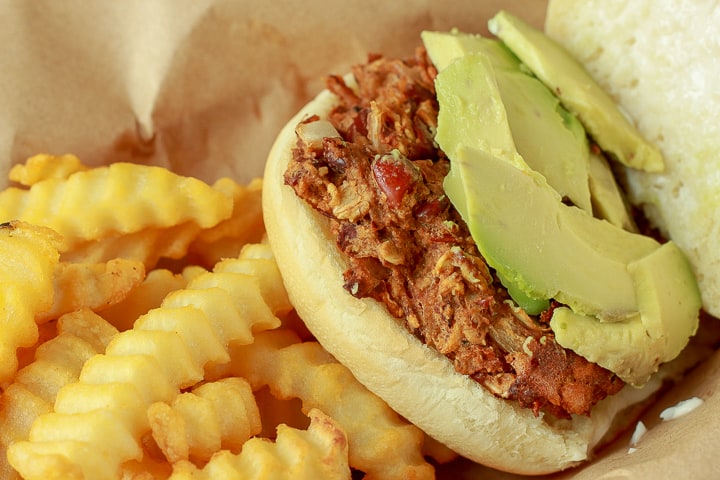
146	334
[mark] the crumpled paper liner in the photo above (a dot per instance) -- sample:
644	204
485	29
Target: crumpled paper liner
200	86
203	87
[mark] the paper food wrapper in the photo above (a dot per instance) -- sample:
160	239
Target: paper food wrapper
203	87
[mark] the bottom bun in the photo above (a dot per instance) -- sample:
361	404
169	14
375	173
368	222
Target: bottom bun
416	381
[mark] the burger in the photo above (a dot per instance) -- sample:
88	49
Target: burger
449	228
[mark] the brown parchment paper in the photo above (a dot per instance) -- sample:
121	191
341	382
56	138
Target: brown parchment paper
203	86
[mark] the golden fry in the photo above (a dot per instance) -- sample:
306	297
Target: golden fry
387	447
28	256
191	271
119	395
247	212
148	295
182	371
58	361
236	409
214	416
167	349
245	226
26	355
148	245
260	264
119	198
92	285
194	326
89	326
145	366
321	451
20	407
233	302
96	432
42	167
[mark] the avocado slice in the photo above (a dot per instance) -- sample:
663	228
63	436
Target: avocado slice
445	47
550	139
535	242
578	92
608	201
466	103
635	347
668	295
540	245
466	108
630	302
625	347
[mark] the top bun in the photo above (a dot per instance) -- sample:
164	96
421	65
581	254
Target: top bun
657	60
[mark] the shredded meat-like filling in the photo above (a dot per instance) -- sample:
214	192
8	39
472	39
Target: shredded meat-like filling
380	184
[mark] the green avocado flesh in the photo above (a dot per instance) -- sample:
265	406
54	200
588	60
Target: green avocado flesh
622	292
635	347
540	128
608	201
578	92
555	251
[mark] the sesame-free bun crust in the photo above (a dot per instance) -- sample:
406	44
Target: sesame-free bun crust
416	381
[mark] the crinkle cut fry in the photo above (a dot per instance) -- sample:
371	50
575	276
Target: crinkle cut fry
83	206
148	295
244	227
92	285
58	361
320	452
381	443
213	416
148	245
28	257
247	211
164	352
265	269
43	166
